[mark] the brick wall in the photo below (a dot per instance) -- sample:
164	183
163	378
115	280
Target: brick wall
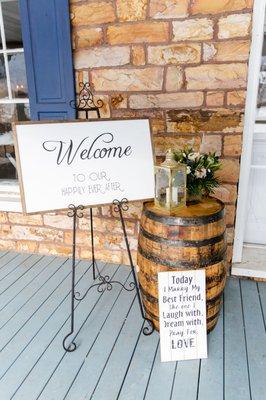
183	63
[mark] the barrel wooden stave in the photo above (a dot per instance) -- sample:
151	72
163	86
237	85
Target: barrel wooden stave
181	232
212	308
178	243
149	282
182	254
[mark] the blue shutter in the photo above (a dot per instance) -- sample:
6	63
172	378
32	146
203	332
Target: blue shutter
48	57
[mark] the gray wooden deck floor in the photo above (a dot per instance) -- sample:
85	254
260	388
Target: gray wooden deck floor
113	359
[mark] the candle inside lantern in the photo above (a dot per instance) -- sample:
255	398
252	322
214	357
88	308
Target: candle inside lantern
175	195
168	197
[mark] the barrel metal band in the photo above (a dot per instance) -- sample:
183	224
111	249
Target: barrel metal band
152	315
182	263
213	317
209	279
187	221
182	243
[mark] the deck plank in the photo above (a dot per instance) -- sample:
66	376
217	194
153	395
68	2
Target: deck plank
211	370
261	286
46	351
6	257
186	380
114	360
139	370
29	350
236	368
161	379
19	284
3	252
10	305
108	384
255	339
26	323
12	265
99	351
60	366
24	268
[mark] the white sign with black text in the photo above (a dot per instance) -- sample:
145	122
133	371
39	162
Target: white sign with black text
182	310
83	162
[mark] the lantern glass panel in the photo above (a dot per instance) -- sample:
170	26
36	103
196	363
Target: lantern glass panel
162	180
179	187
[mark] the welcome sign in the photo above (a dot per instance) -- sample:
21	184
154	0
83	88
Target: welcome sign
182	310
83	162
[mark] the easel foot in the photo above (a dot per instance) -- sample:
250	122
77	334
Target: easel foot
71	347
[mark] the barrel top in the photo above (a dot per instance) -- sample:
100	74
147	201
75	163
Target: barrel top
206	207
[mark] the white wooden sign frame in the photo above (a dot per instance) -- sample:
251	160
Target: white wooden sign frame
182	312
83	162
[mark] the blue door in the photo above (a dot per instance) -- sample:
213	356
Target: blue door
48	57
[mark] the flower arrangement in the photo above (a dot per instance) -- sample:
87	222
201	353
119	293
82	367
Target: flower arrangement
201	168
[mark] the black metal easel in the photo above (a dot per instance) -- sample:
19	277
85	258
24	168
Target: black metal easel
85	103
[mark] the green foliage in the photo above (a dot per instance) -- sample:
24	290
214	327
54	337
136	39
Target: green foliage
201	168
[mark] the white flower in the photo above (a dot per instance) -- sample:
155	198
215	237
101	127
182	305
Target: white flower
200	173
193	156
188	170
184	155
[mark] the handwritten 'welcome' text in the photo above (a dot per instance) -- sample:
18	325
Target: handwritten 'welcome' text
97	149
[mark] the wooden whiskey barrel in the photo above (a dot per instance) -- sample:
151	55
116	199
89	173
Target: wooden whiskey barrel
191	238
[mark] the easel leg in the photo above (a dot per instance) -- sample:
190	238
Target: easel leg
121	206
92	246
73	213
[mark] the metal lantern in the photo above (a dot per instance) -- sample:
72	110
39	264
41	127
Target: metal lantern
170	183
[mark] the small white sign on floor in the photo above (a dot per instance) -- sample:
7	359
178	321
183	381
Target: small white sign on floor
182	310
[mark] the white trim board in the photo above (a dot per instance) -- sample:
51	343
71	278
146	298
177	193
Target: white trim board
10	199
13	204
240	269
261	114
253	263
249	121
